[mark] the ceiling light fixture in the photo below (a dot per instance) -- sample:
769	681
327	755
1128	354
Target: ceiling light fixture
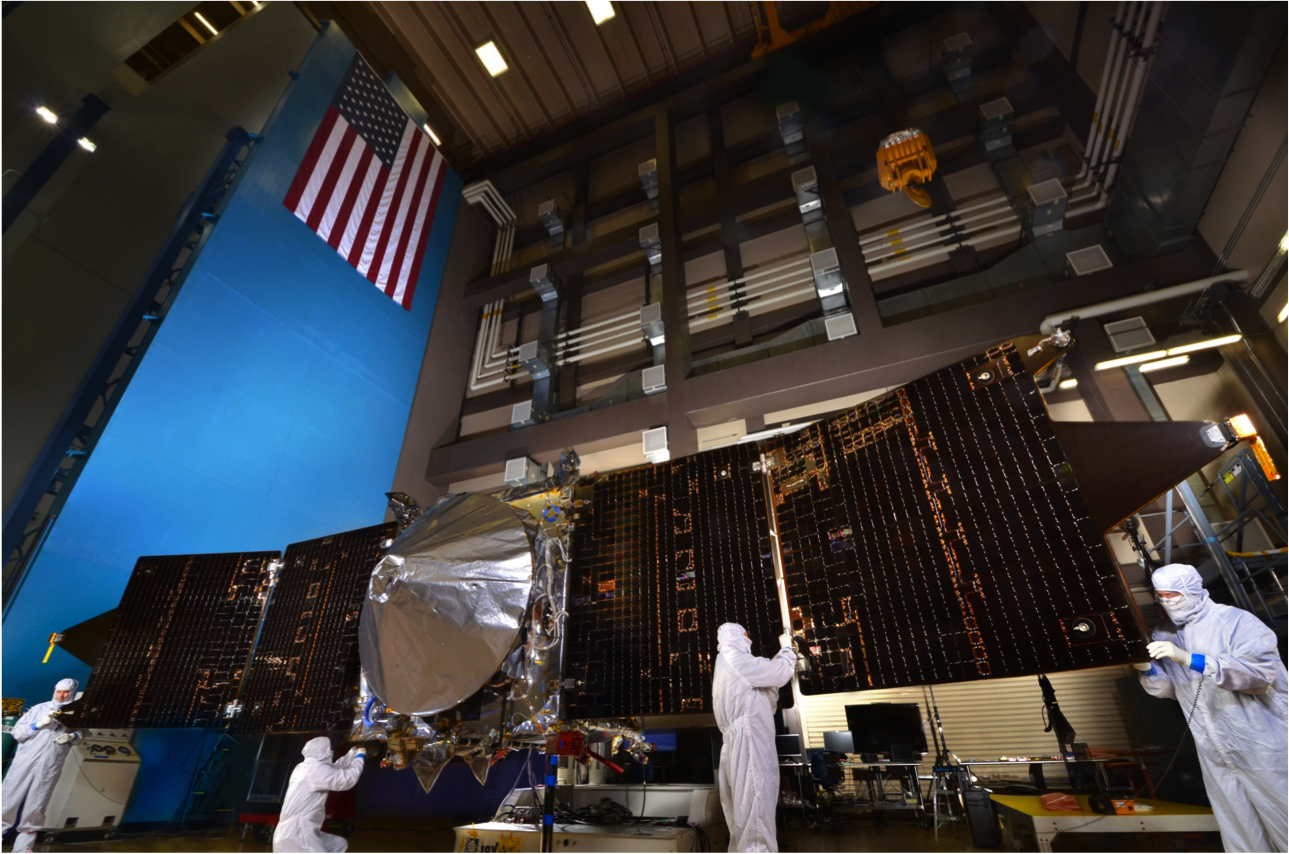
1164	363
85	143
1130	360
205	23
1070	383
491	58
601	10
434	136
1284	242
1284	313
47	114
1204	345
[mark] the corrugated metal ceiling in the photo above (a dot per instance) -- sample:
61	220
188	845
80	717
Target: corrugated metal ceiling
562	66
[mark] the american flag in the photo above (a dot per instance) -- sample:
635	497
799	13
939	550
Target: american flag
369	184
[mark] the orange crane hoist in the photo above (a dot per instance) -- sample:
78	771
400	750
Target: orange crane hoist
905	158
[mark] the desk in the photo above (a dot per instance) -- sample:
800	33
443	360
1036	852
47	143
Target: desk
884	773
1165	817
1103	782
499	836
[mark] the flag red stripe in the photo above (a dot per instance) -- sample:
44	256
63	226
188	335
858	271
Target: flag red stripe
351	198
424	240
292	200
409	223
391	216
369	216
333	177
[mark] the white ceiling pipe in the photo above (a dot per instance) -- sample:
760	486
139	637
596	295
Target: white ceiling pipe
943	250
800	295
1121	102
888	236
756	274
991	218
1049	324
1101	91
601	351
1121	129
930	230
750	287
580	335
756	299
491	358
599	323
1099	194
1135	11
942	246
599	342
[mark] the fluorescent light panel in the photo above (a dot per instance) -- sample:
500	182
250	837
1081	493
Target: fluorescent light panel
601	10
1164	363
1171	351
47	114
205	23
434	136
1284	312
1072	382
1203	345
85	143
1131	360
491	58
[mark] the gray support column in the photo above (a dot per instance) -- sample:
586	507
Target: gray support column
859	287
681	435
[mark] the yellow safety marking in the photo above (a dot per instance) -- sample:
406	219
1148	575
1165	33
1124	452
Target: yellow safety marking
892	232
897	241
900	251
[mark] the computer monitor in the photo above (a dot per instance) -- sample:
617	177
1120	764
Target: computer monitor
840	741
874	727
788	745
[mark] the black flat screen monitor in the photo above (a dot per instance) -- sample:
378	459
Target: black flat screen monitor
788	745
874	727
839	742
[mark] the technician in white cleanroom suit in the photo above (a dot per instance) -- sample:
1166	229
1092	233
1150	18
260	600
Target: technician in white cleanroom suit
43	746
304	808
1240	720
745	693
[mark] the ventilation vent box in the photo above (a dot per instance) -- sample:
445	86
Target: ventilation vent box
655	445
522	471
521	414
1085	262
1046	212
840	326
1130	334
654	379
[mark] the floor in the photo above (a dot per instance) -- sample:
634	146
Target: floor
847	833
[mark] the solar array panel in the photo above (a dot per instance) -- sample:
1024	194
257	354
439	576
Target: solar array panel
662	555
183	634
306	661
935	535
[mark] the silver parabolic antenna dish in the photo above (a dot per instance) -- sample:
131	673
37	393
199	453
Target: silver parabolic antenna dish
445	604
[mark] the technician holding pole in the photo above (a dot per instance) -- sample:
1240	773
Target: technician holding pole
1222	665
745	694
43	746
304	809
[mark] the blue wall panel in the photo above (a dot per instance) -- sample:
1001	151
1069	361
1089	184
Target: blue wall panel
270	408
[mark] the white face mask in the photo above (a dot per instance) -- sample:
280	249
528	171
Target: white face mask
1181	609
